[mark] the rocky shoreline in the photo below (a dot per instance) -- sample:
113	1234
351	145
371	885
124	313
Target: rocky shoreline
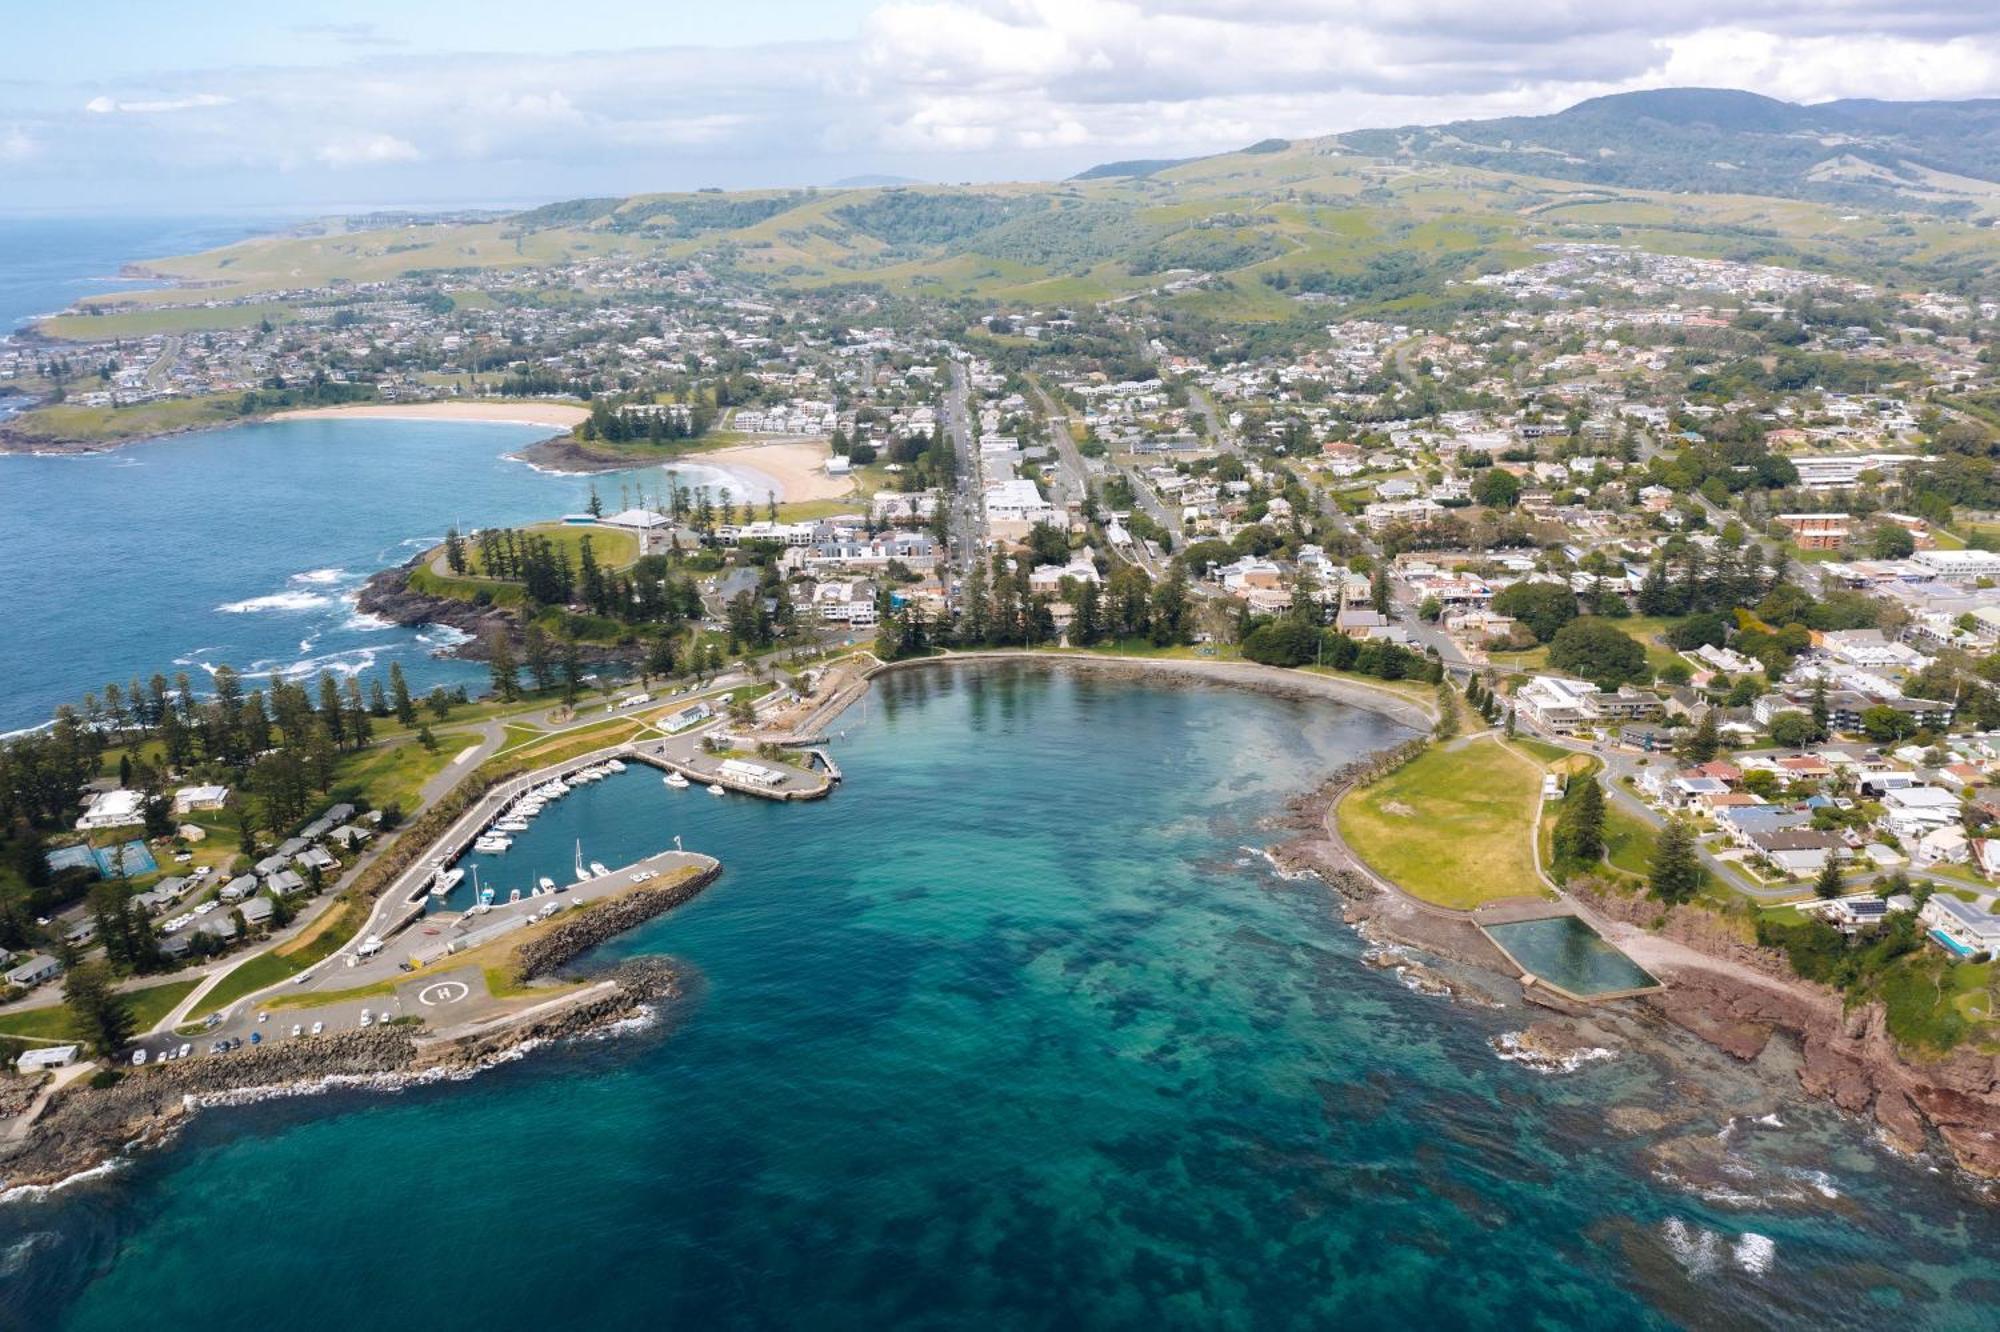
84	1127
387	595
566	454
1734	997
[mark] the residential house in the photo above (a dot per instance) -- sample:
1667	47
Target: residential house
1961	928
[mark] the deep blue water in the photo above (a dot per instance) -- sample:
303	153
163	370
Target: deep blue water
1015	1031
246	546
49	263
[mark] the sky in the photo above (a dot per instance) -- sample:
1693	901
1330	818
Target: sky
213	106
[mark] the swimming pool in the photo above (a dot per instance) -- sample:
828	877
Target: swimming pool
1950	944
1568	954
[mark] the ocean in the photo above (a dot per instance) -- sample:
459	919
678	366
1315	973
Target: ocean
247	546
49	263
1019	1029
243	546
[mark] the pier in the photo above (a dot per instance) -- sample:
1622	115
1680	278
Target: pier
706	769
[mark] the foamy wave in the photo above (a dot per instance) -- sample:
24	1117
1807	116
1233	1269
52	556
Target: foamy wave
1513	1047
350	661
1753	1252
277	601
1284	872
320	577
362	622
14	1260
1698	1251
37	1192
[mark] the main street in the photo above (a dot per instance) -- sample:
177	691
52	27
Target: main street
968	521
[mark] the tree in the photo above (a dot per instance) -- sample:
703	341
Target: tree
1496	488
1826	886
399	695
1580	826
500	662
1704	629
1822	715
1543	607
1378	590
1891	541
1701	746
1793	729
1600	653
535	653
1884	725
1675	872
99	1011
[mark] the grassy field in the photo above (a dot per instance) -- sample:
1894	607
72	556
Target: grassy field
69	423
148	1006
1645	628
1628	841
141	322
613	548
1454	827
394	774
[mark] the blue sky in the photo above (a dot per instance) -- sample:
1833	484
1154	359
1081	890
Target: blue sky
207	106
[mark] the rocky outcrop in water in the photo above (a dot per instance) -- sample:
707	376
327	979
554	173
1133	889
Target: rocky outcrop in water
1847	1055
388	595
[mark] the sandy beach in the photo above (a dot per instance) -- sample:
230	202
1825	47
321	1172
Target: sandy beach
516	413
798	468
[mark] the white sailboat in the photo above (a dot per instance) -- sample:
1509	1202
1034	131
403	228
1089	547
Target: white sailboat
582	874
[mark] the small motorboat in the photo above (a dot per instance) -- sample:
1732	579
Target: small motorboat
546	884
492	846
598	870
445	880
716	788
513	894
512	825
614	765
675	780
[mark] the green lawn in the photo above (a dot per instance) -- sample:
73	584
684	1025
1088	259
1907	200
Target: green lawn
1454	827
138	323
267	968
614	547
1644	628
148	1006
394	773
1628	841
70	423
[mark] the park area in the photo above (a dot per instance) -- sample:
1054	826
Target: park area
1454	827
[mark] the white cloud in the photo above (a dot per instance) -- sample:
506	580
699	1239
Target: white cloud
17	145
105	106
367	150
984	87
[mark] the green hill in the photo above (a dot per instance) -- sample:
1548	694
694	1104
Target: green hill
1942	156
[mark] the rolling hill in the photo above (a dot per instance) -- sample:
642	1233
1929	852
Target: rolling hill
1943	156
1391	221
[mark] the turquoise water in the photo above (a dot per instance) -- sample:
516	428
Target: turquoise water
1015	1031
1565	950
246	546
